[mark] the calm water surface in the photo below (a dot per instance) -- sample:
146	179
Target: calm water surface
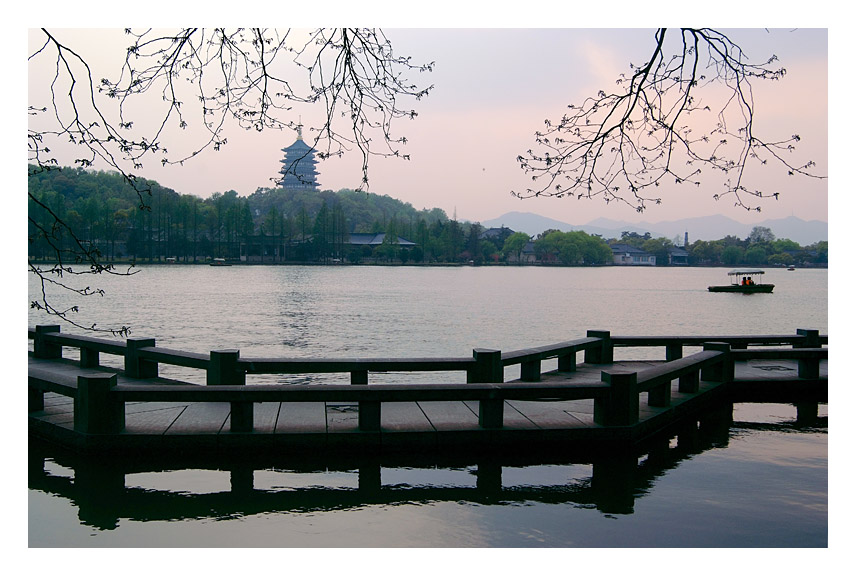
761	482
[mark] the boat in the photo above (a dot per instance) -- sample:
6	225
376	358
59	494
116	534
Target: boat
219	262
743	281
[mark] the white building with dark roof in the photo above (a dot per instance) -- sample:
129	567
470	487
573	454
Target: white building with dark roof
628	255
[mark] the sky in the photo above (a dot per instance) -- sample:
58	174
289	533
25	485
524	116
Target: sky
493	89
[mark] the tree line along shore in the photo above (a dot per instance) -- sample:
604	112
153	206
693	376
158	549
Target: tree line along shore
274	225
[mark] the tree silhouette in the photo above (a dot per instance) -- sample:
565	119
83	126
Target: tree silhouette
659	128
205	78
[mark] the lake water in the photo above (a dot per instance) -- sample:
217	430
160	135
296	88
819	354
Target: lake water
760	482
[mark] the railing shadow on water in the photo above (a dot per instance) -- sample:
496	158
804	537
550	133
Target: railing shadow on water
99	490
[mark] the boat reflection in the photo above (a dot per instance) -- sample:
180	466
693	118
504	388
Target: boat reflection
107	490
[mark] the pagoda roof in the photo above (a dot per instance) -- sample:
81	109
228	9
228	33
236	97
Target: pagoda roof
297	146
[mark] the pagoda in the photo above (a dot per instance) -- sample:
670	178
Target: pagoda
298	171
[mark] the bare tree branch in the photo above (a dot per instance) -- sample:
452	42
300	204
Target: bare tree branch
206	78
624	145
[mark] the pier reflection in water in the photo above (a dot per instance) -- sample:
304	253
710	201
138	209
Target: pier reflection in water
112	494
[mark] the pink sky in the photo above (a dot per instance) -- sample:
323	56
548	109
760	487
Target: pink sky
493	90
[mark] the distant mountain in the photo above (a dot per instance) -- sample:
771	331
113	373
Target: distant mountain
527	222
804	232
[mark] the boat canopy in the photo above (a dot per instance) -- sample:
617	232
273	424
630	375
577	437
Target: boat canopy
745	272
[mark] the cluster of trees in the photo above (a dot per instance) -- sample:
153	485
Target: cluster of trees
307	226
760	248
570	248
105	212
556	247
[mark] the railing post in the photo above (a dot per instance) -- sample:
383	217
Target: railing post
674	351
369	415
603	354
42	349
567	363
531	371
89	358
368	412
621	405
35	399
488	368
135	366
724	370
659	396
491	413
94	410
223	368
811	339
689	382
808	368
241	417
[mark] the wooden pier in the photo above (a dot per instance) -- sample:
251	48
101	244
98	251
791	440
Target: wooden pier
599	402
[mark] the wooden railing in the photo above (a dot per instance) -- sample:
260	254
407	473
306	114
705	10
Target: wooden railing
99	399
565	353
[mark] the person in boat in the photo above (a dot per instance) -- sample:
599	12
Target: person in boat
743	281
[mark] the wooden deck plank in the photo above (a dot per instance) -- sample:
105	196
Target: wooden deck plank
200	418
404	417
512	417
59	418
554	415
404	426
58	410
265	417
58	400
155	422
301	418
647	412
582	410
450	415
133	408
761	369
56	404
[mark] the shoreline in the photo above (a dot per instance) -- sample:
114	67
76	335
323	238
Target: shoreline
443	264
